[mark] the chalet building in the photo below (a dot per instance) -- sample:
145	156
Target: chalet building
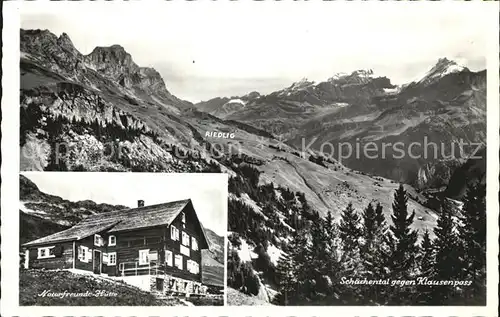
157	247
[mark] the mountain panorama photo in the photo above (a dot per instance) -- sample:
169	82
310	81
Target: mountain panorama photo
354	189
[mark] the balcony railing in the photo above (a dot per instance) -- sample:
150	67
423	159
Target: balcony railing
134	268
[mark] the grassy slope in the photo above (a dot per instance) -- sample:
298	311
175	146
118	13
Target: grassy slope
34	282
235	298
32	227
212	271
324	187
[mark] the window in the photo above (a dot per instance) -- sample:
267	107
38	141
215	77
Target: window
194	243
153	255
185	250
185	239
143	257
153	240
178	261
112	258
183	218
98	240
193	267
112	241
84	254
135	242
174	233
168	258
46	252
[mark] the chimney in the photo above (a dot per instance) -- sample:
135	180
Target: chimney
140	203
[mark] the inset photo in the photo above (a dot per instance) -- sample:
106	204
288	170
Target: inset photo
109	239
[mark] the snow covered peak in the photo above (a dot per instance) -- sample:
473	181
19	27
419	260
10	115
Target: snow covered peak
303	83
236	100
363	73
357	76
442	68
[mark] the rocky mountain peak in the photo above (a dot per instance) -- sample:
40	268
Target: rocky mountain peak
443	67
304	82
251	95
65	43
362	72
115	62
64	39
360	76
112	60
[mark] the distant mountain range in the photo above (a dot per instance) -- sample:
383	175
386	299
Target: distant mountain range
445	106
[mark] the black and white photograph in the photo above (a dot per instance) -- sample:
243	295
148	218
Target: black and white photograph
108	239
353	138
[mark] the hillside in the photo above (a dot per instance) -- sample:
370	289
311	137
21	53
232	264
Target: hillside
93	291
236	298
33	227
218	245
55	209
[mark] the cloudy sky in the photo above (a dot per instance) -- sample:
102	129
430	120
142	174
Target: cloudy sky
207	191
219	48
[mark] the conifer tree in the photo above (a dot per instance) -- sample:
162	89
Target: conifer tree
379	217
427	256
320	257
448	263
403	254
332	252
350	233
350	229
369	223
374	253
473	234
287	281
426	264
293	272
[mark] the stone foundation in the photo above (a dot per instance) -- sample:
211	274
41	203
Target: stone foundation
169	286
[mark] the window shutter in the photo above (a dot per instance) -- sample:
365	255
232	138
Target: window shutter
168	257
153	255
58	250
33	254
105	258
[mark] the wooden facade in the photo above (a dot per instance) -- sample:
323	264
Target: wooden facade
155	250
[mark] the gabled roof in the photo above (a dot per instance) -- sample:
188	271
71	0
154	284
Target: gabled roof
122	220
74	233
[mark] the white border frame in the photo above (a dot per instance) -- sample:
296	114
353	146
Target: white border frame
10	194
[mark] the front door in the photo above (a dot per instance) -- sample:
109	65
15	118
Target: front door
97	262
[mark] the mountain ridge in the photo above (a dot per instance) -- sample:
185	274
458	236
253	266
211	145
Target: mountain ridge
449	98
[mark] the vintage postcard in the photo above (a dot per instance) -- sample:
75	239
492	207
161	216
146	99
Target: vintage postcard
357	142
86	241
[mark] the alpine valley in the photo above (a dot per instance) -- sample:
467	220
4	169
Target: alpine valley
103	112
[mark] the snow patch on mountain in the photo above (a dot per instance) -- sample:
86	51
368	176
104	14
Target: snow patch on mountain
394	90
245	253
274	254
301	84
27	210
442	68
237	100
244	198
